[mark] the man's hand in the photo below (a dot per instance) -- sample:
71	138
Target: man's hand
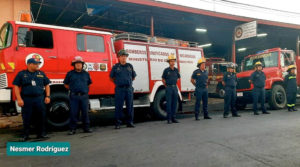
20	102
47	100
193	81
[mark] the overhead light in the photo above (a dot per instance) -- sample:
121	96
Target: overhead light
205	45
242	49
262	35
201	30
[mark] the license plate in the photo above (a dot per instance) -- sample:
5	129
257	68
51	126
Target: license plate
239	94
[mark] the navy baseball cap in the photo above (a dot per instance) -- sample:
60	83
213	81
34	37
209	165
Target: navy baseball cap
33	61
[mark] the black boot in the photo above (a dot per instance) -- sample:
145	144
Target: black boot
87	130
207	117
175	121
294	109
25	138
256	113
72	132
236	115
130	125
290	109
42	137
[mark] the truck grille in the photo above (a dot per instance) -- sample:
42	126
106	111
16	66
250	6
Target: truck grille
243	83
3	81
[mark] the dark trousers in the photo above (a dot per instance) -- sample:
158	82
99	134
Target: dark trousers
172	99
259	95
121	95
291	98
229	100
79	103
201	95
34	110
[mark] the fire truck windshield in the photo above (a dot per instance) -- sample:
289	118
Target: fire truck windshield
5	36
267	60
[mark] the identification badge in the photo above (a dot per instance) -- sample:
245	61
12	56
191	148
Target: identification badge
33	83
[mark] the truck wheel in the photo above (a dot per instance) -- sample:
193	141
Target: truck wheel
240	105
159	105
221	93
58	112
278	97
221	90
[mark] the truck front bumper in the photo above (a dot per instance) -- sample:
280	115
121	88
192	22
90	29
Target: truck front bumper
246	96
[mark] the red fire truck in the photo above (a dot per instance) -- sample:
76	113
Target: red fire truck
216	68
56	46
275	62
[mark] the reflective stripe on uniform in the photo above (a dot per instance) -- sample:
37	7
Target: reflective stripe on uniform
290	105
292	77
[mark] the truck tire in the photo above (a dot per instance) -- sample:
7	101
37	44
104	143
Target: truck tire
58	111
159	105
277	99
221	91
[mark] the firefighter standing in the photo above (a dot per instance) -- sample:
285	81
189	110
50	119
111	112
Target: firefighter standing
229	82
78	81
200	79
123	74
290	83
170	77
32	97
258	79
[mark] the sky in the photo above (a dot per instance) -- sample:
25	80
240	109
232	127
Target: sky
286	11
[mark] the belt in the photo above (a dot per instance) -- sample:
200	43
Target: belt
78	94
171	85
32	95
230	87
124	86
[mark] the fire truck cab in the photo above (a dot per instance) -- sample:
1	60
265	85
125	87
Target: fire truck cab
275	63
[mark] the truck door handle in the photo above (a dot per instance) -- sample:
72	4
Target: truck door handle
52	57
104	59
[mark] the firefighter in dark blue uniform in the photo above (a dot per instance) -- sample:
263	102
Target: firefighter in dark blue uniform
258	79
169	78
229	82
123	74
290	83
77	81
200	79
34	94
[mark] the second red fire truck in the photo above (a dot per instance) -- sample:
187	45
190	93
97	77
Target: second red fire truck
275	63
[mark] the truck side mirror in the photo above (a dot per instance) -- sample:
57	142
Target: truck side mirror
29	38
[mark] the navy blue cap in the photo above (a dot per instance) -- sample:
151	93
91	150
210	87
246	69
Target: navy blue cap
33	61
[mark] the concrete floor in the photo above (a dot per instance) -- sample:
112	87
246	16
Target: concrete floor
249	141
